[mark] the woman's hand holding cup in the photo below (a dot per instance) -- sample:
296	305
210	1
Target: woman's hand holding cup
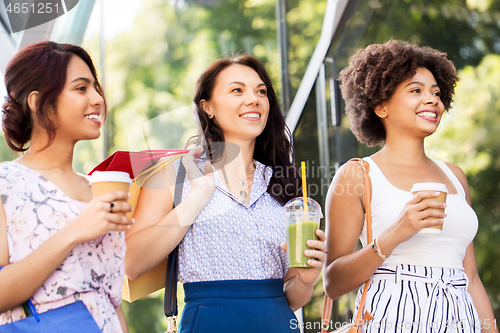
107	210
433	229
103	214
424	210
305	245
316	254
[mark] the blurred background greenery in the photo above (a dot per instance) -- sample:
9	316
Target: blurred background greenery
152	68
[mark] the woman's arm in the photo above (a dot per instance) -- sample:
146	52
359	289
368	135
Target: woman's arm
345	269
476	288
300	282
20	280
159	228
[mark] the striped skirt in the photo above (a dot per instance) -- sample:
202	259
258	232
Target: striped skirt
407	298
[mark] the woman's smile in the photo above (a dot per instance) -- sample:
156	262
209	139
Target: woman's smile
252	116
429	115
94	117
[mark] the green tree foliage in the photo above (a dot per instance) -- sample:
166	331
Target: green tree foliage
145	315
6	154
468	137
466	30
304	23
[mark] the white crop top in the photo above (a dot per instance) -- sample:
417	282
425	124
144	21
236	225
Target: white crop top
446	250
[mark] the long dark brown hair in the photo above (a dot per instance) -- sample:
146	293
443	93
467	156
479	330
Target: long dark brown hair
40	67
272	148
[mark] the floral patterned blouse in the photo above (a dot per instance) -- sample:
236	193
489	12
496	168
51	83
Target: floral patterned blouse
93	272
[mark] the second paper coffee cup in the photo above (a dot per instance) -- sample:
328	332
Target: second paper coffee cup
438	187
107	181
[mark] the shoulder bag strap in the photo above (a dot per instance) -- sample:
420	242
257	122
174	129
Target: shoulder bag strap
327	306
170	304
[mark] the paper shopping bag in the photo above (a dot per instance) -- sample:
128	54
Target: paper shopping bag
140	166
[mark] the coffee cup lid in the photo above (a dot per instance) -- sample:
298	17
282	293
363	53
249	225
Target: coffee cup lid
110	176
426	186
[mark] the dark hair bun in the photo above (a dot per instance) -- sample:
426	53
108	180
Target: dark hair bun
17	124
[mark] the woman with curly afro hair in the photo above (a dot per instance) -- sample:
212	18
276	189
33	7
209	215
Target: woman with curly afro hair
423	279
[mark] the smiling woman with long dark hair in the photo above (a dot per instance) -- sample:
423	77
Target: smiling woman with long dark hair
230	223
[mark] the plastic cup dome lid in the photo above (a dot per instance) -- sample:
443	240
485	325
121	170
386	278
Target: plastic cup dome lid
297	204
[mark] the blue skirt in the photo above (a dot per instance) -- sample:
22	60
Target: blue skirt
244	306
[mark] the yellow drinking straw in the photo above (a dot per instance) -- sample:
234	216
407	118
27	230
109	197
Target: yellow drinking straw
304	188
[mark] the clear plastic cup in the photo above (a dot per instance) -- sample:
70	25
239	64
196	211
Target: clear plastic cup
301	227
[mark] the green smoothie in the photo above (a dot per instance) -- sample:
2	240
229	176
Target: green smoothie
297	236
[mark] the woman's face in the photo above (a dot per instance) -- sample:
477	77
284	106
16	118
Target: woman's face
80	108
415	106
239	103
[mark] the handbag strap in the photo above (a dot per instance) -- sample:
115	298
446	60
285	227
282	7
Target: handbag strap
327	306
170	303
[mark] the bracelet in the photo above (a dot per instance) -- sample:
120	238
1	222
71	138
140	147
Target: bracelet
377	250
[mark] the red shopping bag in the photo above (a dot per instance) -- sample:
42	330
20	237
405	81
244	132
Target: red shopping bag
134	162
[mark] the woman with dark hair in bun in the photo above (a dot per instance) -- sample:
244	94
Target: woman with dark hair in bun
422	279
57	244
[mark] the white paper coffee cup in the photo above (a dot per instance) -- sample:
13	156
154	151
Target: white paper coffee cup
437	187
103	182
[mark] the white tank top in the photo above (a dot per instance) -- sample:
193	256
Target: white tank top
446	250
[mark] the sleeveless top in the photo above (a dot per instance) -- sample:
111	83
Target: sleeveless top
93	272
446	250
232	240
